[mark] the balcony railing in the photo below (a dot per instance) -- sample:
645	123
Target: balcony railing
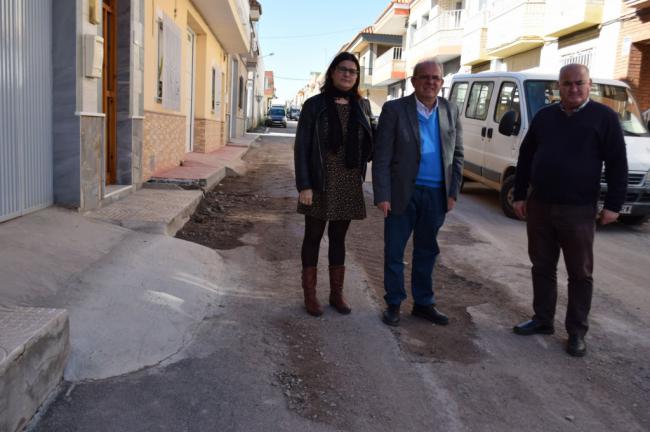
389	67
563	17
515	26
448	20
475	38
394	53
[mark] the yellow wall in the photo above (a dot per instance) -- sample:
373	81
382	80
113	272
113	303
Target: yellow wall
208	52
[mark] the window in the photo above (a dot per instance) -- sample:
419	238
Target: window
458	94
508	101
424	20
241	93
581	57
159	81
539	94
213	104
479	100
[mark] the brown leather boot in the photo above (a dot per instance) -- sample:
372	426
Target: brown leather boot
309	288
337	274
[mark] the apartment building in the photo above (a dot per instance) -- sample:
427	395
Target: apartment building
269	89
633	50
98	95
435	29
379	49
612	37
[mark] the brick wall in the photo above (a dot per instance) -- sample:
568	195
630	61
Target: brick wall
163	142
208	135
635	67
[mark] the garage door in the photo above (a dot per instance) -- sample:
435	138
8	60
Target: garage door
25	106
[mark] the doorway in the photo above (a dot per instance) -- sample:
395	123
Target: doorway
234	98
109	87
189	94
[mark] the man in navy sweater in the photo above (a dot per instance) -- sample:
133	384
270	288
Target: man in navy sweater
561	160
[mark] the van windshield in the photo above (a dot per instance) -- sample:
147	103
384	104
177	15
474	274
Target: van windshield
276	112
540	93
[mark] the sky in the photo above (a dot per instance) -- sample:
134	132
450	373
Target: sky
304	35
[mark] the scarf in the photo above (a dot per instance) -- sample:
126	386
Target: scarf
335	132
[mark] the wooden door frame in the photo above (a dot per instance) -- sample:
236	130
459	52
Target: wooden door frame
109	87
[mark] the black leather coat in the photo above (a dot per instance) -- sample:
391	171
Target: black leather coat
310	145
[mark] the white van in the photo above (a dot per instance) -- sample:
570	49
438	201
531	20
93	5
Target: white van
496	109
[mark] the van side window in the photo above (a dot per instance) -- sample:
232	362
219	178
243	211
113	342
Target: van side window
508	101
458	94
479	100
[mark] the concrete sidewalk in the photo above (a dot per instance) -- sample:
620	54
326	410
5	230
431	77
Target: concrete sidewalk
162	206
109	291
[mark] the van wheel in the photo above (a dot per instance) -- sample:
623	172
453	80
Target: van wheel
506	196
633	220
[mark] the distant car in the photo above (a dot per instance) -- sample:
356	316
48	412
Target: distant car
294	113
276	117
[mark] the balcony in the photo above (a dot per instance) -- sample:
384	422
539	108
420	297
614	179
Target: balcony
446	22
639	4
475	32
515	26
564	17
229	20
389	68
441	37
365	80
393	20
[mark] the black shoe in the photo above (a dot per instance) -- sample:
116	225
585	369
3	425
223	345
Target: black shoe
391	315
576	346
429	312
532	327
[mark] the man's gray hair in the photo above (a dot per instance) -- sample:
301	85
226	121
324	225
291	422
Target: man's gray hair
428	61
573	65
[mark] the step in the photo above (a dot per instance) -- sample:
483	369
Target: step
154	210
34	347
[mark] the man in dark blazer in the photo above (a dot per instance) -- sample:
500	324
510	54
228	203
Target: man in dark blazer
416	175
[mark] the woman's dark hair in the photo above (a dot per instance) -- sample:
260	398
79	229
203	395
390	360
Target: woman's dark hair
329	83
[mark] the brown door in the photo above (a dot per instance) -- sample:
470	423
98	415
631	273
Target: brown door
109	85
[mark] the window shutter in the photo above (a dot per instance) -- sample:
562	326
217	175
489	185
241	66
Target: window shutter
171	73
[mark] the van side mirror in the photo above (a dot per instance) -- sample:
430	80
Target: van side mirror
509	125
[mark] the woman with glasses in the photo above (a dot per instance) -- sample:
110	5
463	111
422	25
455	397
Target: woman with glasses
332	147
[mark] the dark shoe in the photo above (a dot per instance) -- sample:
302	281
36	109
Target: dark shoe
391	315
429	312
576	346
337	300
532	327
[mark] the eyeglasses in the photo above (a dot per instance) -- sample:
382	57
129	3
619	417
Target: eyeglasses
429	77
344	70
569	83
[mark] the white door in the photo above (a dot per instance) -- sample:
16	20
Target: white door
475	126
189	91
500	149
234	98
25	107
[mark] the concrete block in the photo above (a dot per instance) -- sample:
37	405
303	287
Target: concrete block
34	347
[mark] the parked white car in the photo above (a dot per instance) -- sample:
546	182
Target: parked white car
496	109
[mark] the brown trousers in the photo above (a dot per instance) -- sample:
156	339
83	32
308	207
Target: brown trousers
571	229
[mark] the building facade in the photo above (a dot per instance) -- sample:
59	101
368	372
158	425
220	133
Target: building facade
127	88
611	37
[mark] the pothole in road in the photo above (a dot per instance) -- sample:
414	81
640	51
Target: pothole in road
455	293
309	381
